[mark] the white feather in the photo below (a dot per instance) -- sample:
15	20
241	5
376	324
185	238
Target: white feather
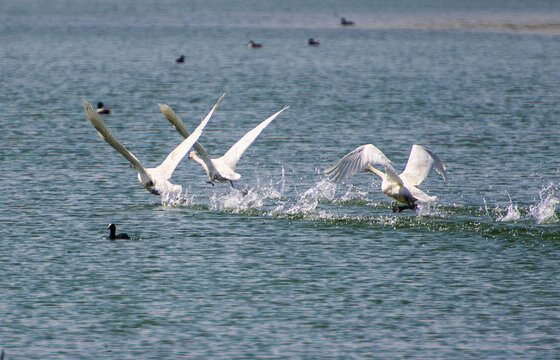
222	168
403	187
155	180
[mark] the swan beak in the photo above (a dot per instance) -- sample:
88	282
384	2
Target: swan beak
154	191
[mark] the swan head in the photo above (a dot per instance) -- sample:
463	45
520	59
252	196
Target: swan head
148	182
192	154
150	187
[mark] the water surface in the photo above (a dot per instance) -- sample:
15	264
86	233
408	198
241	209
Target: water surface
286	264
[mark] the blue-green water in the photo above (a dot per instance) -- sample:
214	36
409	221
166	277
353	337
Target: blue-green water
286	265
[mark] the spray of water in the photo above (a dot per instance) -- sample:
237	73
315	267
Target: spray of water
512	212
545	211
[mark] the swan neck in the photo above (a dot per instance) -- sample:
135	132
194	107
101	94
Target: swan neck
377	172
199	160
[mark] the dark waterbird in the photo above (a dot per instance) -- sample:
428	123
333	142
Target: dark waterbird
253	44
112	230
313	42
101	109
180	59
345	22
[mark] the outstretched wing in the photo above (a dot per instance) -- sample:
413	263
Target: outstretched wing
231	157
106	135
356	161
182	129
420	162
172	160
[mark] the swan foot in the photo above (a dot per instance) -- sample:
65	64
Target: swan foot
209	182
399	208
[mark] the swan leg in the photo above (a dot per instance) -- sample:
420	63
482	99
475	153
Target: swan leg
399	208
231	182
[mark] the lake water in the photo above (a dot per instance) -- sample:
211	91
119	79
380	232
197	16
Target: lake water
286	264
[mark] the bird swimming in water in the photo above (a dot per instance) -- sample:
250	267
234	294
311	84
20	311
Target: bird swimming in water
345	22
180	59
313	42
253	44
101	109
155	180
403	187
112	230
222	168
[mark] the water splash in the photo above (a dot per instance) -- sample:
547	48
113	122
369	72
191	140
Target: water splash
545	211
512	212
176	198
428	209
308	202
250	198
354	193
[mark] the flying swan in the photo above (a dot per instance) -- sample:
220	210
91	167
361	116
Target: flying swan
155	180
403	187
222	168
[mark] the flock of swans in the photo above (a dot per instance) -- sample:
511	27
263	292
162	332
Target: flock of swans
402	187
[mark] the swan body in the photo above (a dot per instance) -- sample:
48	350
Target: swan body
402	187
155	180
222	168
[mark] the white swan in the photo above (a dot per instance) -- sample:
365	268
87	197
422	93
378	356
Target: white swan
222	168
155	180
403	187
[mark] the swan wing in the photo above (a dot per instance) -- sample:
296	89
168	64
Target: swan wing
167	167
232	156
107	135
420	162
420	196
182	129
356	161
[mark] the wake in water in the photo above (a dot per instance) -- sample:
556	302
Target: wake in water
273	198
